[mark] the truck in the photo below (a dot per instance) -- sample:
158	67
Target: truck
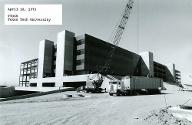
130	85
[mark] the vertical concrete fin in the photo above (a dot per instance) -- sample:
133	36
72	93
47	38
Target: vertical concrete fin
45	59
171	68
40	62
64	59
148	59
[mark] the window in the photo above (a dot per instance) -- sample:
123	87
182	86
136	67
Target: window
51	84
33	84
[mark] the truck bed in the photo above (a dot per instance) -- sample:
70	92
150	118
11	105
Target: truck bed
145	83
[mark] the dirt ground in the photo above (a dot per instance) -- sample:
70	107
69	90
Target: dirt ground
165	117
94	109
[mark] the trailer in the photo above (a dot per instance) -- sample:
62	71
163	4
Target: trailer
135	84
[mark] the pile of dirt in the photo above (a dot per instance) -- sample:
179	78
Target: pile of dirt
164	117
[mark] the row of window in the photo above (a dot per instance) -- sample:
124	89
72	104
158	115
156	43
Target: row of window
25	65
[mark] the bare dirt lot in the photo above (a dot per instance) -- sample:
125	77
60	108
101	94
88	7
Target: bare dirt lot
93	109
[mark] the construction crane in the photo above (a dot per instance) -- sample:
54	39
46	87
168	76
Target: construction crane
95	85
118	34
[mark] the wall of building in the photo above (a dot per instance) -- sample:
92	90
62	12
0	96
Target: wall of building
96	52
147	58
143	69
28	70
76	57
65	52
48	61
177	76
167	73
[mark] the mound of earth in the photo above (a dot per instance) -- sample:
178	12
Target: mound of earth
164	117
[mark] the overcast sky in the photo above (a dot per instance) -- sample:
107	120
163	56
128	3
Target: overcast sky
163	27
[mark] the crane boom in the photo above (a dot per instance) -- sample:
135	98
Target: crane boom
118	34
115	41
124	19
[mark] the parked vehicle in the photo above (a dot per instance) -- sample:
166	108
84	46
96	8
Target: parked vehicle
135	84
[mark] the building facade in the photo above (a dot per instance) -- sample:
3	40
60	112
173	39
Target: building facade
73	58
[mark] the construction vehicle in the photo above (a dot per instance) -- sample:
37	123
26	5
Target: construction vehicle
135	85
95	85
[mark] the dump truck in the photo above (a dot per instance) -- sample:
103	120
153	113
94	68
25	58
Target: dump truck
130	85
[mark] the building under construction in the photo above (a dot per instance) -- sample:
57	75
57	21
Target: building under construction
73	58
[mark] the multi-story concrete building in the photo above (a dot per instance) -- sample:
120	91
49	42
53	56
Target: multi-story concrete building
28	70
73	58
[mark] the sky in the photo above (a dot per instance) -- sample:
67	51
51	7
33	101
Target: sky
161	26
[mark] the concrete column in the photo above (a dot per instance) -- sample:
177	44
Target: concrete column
64	57
174	74
148	59
45	59
171	68
40	63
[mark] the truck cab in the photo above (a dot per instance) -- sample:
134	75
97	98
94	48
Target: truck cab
119	86
114	86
